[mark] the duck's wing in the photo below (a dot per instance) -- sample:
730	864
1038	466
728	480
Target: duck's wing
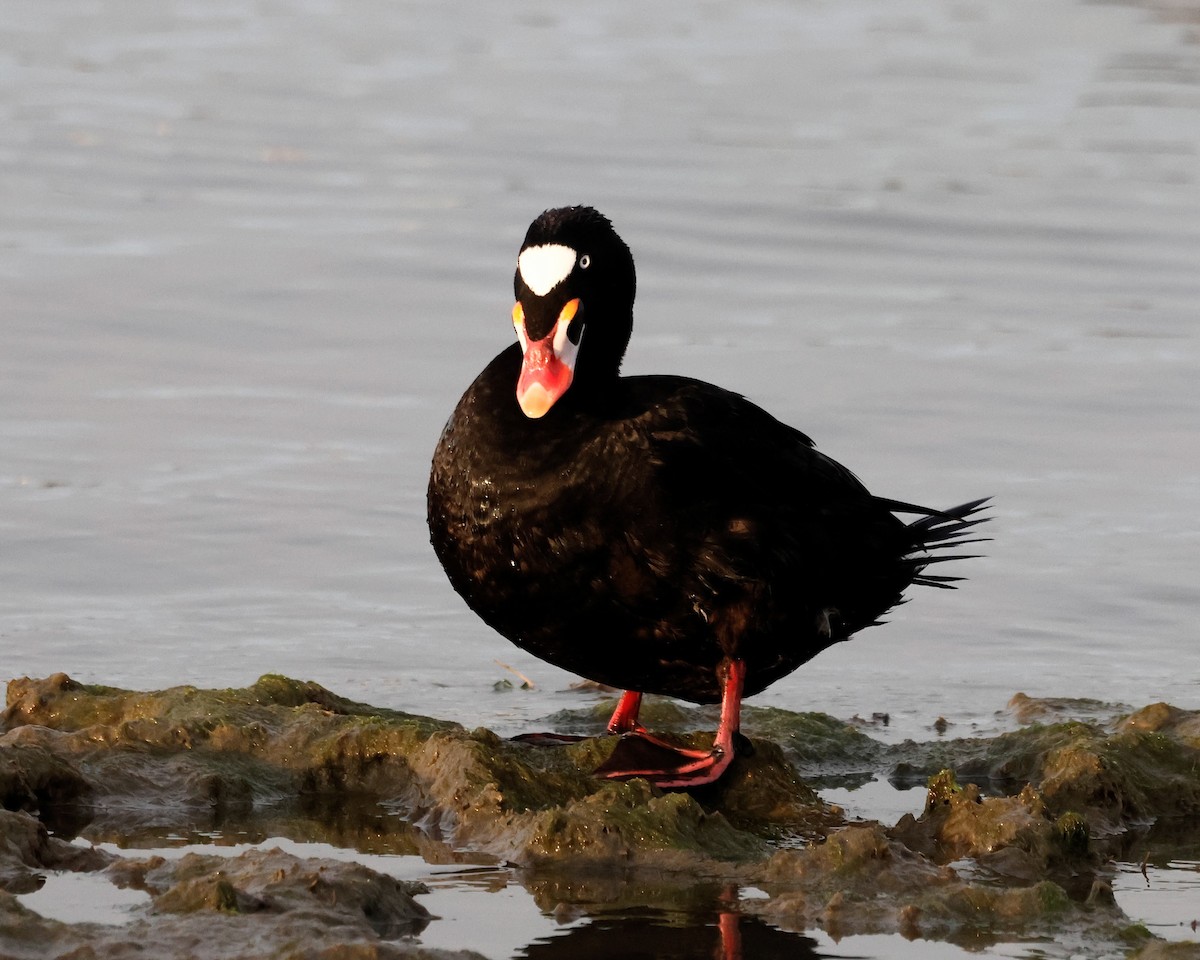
739	504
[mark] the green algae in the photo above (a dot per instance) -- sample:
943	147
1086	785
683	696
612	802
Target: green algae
612	824
815	742
1072	832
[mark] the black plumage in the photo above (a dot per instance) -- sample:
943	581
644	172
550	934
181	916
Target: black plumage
652	533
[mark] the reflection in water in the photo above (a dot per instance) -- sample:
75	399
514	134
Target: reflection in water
520	913
660	935
345	822
504	912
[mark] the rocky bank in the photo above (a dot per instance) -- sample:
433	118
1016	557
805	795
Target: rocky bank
1016	841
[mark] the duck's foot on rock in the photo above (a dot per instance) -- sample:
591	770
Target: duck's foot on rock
640	754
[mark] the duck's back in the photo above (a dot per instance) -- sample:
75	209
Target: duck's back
640	542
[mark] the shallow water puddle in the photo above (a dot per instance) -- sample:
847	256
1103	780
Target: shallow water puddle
876	800
512	919
1166	898
84	898
486	908
477	907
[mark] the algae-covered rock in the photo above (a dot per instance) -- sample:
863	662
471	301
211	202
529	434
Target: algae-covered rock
1009	836
1130	776
32	777
235	750
859	860
620	819
816	742
264	903
1137	769
1167	951
812	742
863	881
1030	710
26	849
321	891
959	822
1010	843
1164	718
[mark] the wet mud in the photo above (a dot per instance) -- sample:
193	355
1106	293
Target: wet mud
1016	842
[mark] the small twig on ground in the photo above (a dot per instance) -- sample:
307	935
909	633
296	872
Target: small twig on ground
526	683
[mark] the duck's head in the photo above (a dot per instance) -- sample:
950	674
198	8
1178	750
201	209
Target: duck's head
574	286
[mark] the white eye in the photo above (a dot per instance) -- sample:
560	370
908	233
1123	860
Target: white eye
584	262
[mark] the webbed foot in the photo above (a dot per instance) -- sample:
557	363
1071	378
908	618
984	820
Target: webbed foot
640	754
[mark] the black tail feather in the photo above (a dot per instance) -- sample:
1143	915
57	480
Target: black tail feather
932	580
939	530
929	514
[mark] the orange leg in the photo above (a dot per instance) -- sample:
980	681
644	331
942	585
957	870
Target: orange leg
640	754
625	717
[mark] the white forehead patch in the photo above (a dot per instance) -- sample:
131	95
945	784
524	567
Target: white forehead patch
545	266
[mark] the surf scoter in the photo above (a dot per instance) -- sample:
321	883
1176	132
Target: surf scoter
656	534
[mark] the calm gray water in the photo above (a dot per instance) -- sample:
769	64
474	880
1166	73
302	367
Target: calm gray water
252	252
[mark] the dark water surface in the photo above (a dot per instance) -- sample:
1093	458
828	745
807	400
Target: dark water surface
252	252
